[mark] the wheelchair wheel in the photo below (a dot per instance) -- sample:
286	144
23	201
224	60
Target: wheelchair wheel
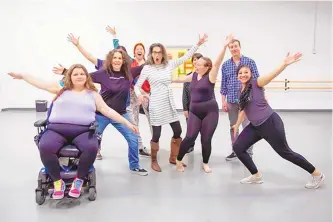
92	194
40	197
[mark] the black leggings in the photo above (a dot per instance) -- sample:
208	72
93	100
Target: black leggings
272	130
176	128
203	117
58	135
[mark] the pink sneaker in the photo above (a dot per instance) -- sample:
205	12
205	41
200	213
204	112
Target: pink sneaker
75	190
59	189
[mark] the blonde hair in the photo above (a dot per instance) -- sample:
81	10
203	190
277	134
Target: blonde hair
68	84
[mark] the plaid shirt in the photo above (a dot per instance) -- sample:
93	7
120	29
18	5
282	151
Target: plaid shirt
230	85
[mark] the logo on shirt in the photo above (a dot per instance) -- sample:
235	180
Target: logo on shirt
121	77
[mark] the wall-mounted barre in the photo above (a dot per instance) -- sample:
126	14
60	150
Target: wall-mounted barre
287	86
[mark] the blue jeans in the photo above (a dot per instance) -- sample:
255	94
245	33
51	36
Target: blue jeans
131	138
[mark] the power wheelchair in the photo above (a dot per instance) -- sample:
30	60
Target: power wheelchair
67	171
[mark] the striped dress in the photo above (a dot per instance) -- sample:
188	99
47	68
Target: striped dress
162	108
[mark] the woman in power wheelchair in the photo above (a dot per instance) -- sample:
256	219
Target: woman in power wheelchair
70	122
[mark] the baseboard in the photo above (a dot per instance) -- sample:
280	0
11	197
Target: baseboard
181	110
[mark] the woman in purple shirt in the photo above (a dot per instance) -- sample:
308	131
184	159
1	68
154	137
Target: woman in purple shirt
265	124
115	79
73	111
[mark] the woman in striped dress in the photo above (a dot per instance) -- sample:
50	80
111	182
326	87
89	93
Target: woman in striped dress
162	109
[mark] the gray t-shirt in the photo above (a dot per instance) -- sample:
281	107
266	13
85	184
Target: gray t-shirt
257	110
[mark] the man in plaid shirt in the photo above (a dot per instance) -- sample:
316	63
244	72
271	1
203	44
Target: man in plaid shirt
230	87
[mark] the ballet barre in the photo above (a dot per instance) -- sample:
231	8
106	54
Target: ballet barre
287	85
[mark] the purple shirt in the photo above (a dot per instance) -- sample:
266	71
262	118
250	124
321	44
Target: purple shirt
257	110
74	108
114	89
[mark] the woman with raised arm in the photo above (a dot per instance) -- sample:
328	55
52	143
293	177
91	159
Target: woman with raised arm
115	79
204	111
132	105
134	108
265	124
162	109
73	111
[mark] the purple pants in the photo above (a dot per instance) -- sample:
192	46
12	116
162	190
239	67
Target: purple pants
58	135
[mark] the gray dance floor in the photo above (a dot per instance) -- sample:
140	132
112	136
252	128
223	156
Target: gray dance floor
170	195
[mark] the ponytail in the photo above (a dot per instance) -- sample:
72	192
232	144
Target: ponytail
245	96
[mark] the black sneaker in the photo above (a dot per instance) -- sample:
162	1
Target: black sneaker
141	172
232	156
190	149
144	152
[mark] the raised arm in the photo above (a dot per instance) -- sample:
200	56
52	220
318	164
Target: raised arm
177	62
290	59
216	65
115	40
85	53
102	107
52	87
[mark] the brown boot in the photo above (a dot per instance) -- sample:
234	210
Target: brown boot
175	145
154	149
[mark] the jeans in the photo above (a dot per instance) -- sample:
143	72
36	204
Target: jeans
131	138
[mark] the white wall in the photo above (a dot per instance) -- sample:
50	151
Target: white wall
34	39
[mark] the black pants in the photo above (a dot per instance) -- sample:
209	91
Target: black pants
272	130
176	128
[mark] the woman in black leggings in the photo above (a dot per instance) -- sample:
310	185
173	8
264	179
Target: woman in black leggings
265	124
204	111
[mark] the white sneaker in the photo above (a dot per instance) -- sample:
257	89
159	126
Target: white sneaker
315	182
252	180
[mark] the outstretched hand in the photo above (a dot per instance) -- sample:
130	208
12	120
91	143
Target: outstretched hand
202	39
228	39
292	58
58	69
71	38
133	128
110	30
15	75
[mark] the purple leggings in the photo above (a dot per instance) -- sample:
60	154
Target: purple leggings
203	118
58	135
272	130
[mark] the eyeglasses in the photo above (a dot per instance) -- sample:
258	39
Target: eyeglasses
155	53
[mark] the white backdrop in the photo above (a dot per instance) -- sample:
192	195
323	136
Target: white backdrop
34	39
